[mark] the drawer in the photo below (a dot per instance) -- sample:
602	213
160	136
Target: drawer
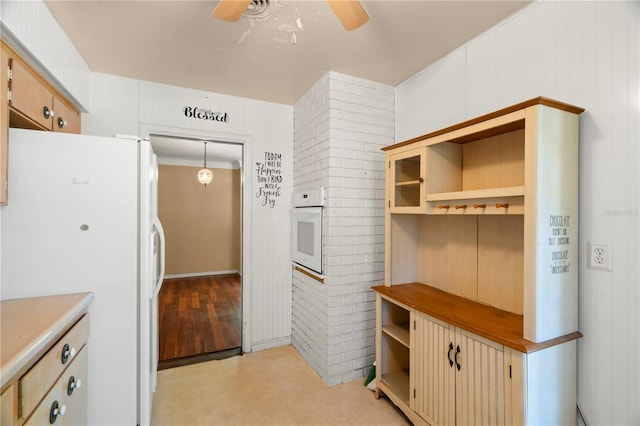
37	382
72	407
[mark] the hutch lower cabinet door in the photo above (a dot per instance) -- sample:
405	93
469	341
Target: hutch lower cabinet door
459	378
433	370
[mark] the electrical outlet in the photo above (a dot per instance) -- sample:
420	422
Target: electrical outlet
600	256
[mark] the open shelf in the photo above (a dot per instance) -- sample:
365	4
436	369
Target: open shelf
398	382
513	191
408	182
400	333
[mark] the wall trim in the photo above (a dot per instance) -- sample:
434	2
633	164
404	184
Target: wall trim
270	344
146	129
201	274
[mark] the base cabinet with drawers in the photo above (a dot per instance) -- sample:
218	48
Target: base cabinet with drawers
53	391
45	379
477	318
66	402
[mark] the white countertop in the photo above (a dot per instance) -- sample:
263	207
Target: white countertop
29	326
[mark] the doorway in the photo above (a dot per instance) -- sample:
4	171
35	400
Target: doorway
200	303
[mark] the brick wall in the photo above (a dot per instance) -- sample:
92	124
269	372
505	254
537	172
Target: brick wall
340	126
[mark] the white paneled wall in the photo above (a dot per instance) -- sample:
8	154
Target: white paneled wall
46	47
587	54
340	126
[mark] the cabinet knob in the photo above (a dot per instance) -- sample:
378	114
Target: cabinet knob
67	353
73	385
48	113
421	180
61	122
56	410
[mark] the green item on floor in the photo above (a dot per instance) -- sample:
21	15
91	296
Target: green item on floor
372	374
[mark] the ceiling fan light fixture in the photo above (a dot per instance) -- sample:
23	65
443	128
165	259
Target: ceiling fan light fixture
351	13
260	10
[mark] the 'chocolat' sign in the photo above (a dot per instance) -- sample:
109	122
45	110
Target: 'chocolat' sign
205	114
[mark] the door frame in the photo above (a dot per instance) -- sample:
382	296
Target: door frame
147	130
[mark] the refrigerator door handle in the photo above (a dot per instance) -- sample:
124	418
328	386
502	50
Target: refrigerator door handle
158	284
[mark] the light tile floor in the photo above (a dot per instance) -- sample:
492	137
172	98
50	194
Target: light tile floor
270	387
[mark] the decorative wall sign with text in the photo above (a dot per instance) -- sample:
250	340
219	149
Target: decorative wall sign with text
205	114
559	226
269	175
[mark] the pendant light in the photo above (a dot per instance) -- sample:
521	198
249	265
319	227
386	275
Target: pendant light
205	175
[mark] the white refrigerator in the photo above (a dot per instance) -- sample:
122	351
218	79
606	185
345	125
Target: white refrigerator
82	217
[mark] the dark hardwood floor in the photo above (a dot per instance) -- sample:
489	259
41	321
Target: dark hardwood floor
198	316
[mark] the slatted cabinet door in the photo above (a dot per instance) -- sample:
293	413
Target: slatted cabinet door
480	384
434	398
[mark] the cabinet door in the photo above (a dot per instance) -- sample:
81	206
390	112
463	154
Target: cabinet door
30	96
66	120
7	406
4	124
433	371
406	180
480	393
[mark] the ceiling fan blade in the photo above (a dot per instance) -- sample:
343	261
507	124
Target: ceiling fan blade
230	10
351	13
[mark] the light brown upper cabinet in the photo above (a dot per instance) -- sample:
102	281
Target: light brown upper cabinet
30	102
34	104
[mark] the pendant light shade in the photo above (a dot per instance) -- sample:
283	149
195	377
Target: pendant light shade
205	175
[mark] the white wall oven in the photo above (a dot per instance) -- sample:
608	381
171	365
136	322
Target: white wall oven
307	229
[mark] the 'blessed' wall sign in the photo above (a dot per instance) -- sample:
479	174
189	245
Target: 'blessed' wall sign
205	114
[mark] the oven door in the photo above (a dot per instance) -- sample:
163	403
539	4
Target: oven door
306	244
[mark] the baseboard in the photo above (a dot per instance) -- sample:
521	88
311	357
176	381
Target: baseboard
180	362
270	344
200	274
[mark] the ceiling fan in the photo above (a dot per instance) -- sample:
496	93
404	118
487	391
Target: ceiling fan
351	13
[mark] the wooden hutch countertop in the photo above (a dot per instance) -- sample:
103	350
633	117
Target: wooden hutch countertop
486	321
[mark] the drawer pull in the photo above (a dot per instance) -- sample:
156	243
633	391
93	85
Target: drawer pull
73	384
56	410
48	113
456	357
449	354
67	353
61	122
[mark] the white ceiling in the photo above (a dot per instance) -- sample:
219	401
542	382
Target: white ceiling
179	43
190	152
